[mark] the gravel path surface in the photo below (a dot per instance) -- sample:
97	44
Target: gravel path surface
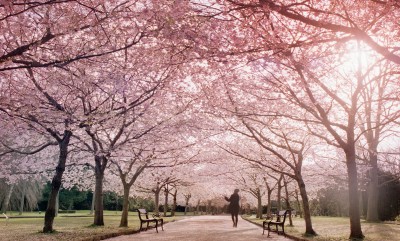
204	228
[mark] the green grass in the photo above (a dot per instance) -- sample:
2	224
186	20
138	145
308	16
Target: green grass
68	226
78	226
338	229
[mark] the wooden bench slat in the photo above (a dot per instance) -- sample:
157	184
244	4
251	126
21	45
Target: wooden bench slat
143	213
278	223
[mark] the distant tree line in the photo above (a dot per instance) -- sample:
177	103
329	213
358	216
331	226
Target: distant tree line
75	199
329	201
20	196
333	200
32	196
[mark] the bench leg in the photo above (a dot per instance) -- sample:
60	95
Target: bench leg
162	224
141	223
157	226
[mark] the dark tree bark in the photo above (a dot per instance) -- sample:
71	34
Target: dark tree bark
93	202
22	200
166	195
270	188
269	195
208	208
373	190
174	197
56	182
156	192
259	205
6	201
279	193
100	165
125	208
354	212
187	199
127	186
198	207
306	206
300	209
287	200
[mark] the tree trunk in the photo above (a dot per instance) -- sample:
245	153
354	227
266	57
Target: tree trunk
187	209
93	198
354	212
279	194
288	203
7	198
56	182
208	208
57	208
373	190
300	209
269	194
125	207
116	203
187	198
157	200
339	208
166	194
306	207
198	206
98	206
259	205
22	200
174	202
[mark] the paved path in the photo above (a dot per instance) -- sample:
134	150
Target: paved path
204	228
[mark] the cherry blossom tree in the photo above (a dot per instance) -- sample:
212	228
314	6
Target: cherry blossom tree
270	182
105	137
47	121
64	33
250	179
43	34
320	110
275	77
345	20
140	160
279	20
378	116
250	114
309	89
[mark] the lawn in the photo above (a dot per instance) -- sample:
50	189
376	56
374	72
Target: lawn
77	226
338	229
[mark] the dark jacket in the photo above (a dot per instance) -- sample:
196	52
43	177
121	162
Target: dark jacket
233	203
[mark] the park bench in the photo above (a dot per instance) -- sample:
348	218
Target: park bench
144	219
280	221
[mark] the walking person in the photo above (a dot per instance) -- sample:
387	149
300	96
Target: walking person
234	207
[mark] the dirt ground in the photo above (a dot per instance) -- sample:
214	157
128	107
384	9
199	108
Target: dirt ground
204	228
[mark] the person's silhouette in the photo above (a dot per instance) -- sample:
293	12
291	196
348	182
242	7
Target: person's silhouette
234	207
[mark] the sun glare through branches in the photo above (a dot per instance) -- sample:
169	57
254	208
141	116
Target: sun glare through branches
147	98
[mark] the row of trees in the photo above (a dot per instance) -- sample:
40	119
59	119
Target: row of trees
74	199
156	93
333	199
317	89
92	80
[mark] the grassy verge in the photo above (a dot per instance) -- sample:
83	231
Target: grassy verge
74	226
338	229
